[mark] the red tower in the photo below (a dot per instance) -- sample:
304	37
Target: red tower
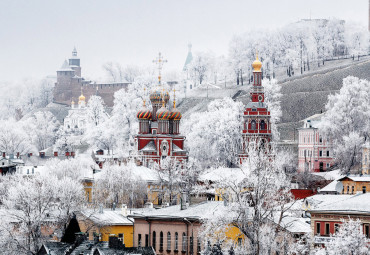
159	129
256	119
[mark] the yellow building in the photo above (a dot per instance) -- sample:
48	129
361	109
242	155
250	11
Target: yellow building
104	223
353	184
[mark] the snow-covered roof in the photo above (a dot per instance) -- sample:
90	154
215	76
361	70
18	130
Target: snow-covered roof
197	211
330	187
331	175
356	204
295	225
108	217
177	148
357	178
320	199
146	174
223	173
65	67
149	147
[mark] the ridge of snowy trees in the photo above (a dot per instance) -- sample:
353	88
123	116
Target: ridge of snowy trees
347	122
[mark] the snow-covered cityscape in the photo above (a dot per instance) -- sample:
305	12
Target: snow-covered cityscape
185	127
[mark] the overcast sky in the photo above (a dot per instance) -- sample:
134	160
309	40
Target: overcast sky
37	35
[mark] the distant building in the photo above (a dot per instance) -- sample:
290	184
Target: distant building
70	82
314	152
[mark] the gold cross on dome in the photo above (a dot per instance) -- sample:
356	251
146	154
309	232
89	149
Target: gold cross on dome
160	61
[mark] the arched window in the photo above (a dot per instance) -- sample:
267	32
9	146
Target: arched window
168	241
262	125
184	242
154	240
161	241
253	125
176	241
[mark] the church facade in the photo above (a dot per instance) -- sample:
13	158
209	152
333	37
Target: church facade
70	82
159	128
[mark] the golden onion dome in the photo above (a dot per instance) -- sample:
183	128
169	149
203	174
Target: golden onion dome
81	98
257	65
163	113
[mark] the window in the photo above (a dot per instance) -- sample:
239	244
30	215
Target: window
168	241
139	240
262	125
318	226
320	153
367	231
320	139
28	170
154	240
176	241
347	189
146	240
327	153
120	237
253	125
33	170
191	245
327	229
327	165
363	189
184	243
353	189
336	227
198	245
161	241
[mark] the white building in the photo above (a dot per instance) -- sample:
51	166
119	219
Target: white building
76	120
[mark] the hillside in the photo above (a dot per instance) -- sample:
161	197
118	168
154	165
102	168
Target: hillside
303	95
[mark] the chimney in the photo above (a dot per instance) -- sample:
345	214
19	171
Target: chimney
55	154
183	201
4	154
124	210
17	154
73	154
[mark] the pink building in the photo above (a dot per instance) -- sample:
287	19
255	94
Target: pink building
314	152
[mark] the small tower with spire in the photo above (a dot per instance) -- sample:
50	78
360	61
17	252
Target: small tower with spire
74	62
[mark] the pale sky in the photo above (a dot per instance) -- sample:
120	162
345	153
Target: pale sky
36	36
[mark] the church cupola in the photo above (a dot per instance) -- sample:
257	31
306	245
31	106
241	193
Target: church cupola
81	100
175	117
74	62
144	115
163	116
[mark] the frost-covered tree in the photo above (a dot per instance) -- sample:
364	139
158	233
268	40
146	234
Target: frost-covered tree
257	199
41	128
13	138
272	99
347	121
349	239
95	111
201	66
35	208
214	135
118	184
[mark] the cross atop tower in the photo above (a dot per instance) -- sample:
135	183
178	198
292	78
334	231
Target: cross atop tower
160	61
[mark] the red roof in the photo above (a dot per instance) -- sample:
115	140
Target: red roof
302	193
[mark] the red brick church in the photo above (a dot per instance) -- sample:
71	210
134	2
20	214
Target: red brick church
159	127
256	117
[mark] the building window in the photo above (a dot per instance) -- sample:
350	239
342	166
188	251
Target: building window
320	139
198	245
367	233
28	170
154	240
139	240
168	241
336	227
353	189
262	125
363	189
176	241
253	125
121	238
184	242
327	153
161	241
320	153
146	240
318	226
327	229
347	189
327	165
33	170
